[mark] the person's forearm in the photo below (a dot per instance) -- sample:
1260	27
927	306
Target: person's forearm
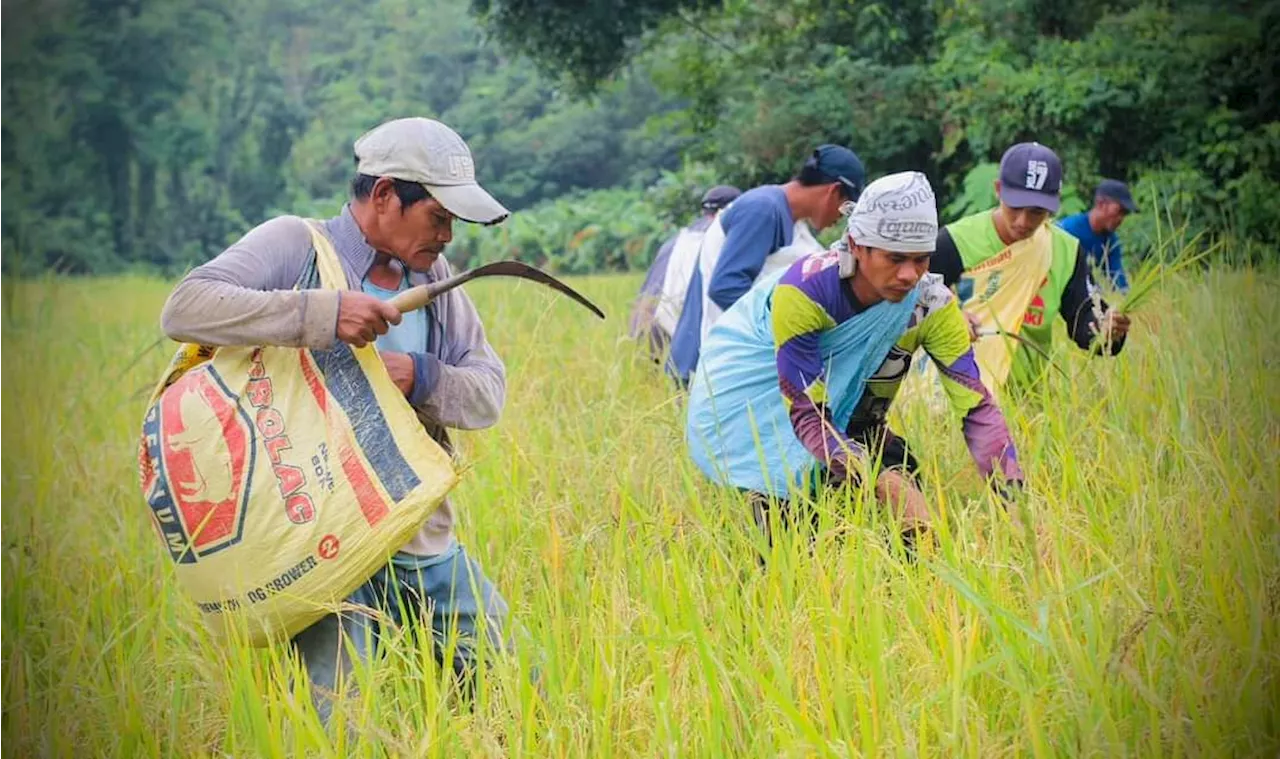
211	312
815	430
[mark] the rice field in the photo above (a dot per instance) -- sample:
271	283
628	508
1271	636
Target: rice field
1136	613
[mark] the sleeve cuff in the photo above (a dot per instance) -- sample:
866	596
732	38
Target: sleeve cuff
426	375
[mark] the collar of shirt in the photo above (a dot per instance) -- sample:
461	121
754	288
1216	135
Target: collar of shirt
352	247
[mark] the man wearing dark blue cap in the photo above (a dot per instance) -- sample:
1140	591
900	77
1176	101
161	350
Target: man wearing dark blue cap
1015	273
1096	229
755	227
657	307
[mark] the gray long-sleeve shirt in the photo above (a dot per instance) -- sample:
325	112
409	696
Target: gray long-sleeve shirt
245	296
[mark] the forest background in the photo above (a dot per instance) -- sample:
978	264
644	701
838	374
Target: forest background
149	134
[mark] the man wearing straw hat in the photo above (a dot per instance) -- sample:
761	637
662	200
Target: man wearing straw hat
796	379
414	176
1015	273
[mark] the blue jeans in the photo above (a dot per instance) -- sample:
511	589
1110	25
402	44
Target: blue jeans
448	588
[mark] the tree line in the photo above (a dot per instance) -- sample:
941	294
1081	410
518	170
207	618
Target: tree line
153	132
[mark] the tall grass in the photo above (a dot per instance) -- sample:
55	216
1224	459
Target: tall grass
1136	614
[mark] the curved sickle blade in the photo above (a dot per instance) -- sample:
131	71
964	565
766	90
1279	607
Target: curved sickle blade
420	296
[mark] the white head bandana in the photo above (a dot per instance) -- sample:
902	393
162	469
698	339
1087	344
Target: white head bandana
897	213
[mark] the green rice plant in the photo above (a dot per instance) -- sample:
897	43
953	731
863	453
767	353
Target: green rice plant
1173	252
1135	612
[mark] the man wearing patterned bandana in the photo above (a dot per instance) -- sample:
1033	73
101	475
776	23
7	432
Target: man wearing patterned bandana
843	326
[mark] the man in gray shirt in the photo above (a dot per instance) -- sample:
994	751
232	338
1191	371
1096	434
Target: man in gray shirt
413	178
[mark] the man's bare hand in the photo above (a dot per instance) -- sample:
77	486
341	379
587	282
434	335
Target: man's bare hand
1116	324
904	498
974	326
400	367
362	317
1008	496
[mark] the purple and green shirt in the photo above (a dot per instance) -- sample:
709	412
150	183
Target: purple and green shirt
811	298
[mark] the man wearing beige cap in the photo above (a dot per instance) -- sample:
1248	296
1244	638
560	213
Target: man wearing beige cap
413	178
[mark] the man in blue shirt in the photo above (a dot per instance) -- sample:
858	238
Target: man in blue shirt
755	226
1096	229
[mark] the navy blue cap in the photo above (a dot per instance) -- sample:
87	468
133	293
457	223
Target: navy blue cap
719	196
1114	189
1031	177
839	164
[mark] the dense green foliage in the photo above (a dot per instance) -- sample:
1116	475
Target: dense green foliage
157	131
153	132
604	230
1177	97
588	41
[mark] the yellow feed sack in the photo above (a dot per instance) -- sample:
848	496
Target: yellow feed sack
280	479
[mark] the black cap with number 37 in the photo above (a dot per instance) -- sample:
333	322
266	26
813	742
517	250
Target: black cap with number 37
1031	177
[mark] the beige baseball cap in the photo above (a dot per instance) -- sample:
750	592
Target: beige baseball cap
433	155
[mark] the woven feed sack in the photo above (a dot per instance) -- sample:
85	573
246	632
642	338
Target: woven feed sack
280	479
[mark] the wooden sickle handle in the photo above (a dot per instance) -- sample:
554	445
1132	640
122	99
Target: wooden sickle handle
413	299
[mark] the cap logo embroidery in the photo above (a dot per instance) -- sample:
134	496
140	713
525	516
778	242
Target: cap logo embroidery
461	166
1037	173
